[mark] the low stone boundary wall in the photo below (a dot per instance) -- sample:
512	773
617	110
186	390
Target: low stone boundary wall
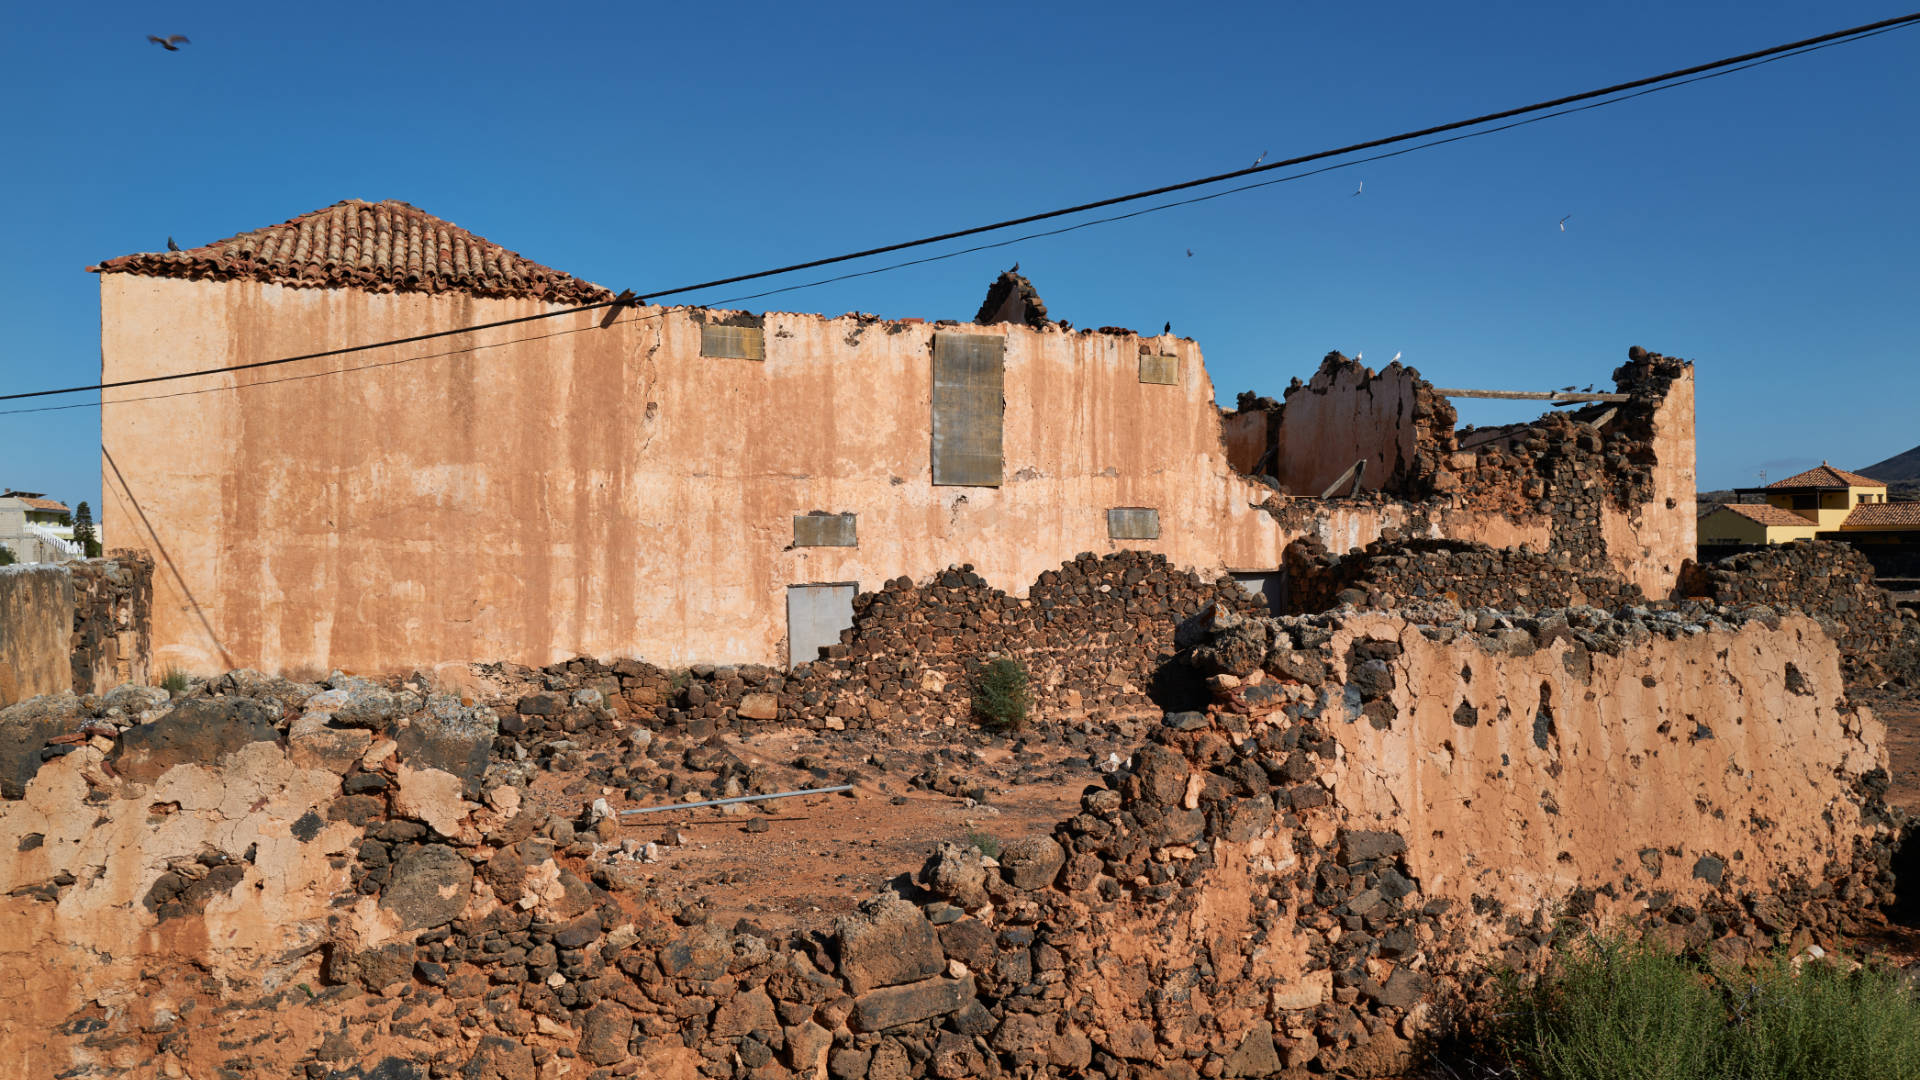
1297	879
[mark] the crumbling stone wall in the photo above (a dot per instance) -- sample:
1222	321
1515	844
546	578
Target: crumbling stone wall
1346	413
1394	570
112	621
1833	583
1375	806
36	603
1593	476
1096	636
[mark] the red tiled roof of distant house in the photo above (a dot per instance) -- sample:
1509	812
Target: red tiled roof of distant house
1767	514
1871	514
387	246
1826	476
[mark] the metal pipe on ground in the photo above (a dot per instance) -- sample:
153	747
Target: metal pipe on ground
740	799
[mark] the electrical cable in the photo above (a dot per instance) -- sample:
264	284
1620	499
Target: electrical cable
1649	84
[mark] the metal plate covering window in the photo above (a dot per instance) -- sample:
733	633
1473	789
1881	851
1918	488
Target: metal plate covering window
732	342
815	616
969	406
824	530
1160	370
1133	523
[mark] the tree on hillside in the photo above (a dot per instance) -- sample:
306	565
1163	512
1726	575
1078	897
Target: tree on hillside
83	531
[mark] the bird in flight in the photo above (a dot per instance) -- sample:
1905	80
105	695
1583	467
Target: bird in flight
1563	223
171	43
1360	187
171	246
1189	253
1258	160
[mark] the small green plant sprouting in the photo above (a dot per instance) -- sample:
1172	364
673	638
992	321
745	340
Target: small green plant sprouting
174	681
1000	698
984	843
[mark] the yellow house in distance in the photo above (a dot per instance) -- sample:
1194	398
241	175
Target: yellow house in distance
1817	502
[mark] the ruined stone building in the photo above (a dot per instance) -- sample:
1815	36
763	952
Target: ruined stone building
698	485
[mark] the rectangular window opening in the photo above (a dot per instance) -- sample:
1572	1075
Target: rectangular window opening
969	408
723	342
1160	370
816	614
1133	523
825	530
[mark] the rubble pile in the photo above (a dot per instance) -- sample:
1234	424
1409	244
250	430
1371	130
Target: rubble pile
339	880
1095	636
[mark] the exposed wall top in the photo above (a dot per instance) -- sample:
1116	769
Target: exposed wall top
388	246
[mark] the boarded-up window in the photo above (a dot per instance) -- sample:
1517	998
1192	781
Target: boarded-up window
968	407
824	530
1269	583
815	616
733	342
1164	370
1133	523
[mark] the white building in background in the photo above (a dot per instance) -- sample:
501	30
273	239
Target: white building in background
37	529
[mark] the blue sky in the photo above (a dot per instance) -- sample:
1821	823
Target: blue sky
1763	224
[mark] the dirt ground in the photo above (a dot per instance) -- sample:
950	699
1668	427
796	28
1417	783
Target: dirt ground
820	855
1903	752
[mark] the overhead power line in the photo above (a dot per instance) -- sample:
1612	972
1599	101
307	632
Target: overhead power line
1560	106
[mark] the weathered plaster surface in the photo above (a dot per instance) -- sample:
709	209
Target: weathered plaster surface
1680	744
1340	418
36	623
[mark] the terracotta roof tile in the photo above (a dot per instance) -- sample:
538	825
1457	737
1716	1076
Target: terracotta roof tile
54	505
387	246
1767	514
1826	476
1900	513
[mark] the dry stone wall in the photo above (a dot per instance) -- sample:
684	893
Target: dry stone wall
1393	570
1296	879
1834	584
112	621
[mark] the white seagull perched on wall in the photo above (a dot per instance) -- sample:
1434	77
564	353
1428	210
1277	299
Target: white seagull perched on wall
1395	360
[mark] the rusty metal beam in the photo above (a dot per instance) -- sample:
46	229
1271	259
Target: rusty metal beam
1531	395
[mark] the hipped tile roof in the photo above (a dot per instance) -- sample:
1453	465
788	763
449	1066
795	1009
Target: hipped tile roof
1767	514
1826	476
1871	514
388	246
54	505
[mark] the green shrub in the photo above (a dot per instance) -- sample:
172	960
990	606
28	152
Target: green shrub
1613	1010
6	555
174	681
1823	1021
1000	699
984	843
1618	1009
